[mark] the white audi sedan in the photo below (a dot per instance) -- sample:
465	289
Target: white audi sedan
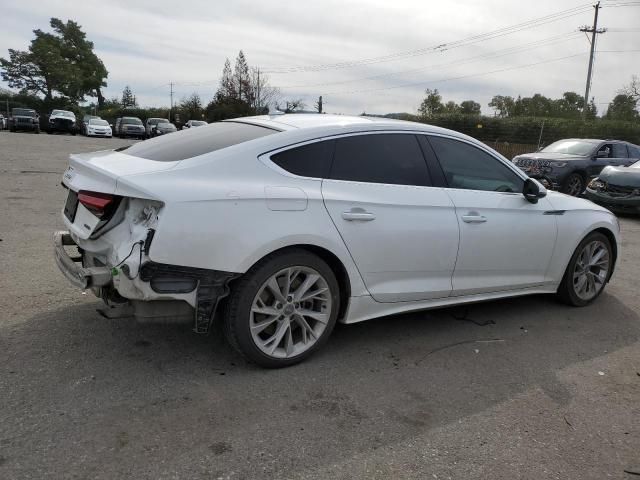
282	225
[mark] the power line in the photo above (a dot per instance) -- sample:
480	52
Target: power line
460	77
497	54
440	47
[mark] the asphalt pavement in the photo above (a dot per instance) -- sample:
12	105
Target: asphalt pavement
522	388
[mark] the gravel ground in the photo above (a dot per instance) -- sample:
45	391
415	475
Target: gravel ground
524	388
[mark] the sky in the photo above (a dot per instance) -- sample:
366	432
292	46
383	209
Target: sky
374	56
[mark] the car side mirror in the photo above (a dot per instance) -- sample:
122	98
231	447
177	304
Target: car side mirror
533	190
602	154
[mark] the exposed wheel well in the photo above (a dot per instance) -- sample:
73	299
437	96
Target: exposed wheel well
336	266
614	246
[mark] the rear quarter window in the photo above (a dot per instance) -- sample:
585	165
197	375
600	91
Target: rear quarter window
198	141
312	160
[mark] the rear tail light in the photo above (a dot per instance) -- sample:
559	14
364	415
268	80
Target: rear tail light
97	203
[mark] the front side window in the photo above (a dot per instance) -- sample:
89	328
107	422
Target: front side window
471	168
312	160
380	158
619	150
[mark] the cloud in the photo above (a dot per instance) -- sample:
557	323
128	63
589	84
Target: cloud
148	44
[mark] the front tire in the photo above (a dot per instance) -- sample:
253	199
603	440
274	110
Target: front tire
588	271
574	185
283	309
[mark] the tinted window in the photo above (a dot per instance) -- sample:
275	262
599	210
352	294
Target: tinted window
619	151
23	112
468	167
313	160
193	142
380	158
634	152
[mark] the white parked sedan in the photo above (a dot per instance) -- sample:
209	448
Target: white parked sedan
96	127
285	224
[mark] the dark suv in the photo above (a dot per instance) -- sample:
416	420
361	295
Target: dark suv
568	165
129	127
24	119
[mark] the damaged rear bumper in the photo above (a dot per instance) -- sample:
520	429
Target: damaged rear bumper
157	290
72	268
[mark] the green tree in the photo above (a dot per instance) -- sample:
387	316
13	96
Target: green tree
622	107
451	107
61	63
128	98
431	104
469	107
503	105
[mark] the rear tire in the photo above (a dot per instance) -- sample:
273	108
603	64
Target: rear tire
283	309
588	271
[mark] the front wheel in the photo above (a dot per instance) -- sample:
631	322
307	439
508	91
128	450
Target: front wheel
588	271
573	185
283	309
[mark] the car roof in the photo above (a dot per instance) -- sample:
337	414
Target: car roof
314	123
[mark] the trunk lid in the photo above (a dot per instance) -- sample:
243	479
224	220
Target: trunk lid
100	172
103	172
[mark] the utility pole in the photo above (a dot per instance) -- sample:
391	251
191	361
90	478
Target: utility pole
594	30
319	104
258	106
171	96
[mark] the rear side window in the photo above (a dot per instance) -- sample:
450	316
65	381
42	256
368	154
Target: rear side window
198	141
470	168
380	158
634	152
313	160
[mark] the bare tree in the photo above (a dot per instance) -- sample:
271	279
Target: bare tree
290	106
263	94
633	89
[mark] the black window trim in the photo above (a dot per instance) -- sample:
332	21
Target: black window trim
265	157
485	149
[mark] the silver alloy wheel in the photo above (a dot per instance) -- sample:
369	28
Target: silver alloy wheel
591	270
290	312
574	187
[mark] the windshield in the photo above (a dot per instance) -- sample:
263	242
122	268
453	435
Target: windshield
63	113
98	121
570	147
131	121
23	112
155	121
191	143
197	123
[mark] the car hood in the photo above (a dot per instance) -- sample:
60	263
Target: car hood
550	156
621	176
561	201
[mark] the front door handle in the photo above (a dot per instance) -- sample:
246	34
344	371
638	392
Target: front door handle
361	215
474	218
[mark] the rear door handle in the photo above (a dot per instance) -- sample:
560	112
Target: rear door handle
474	218
362	216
